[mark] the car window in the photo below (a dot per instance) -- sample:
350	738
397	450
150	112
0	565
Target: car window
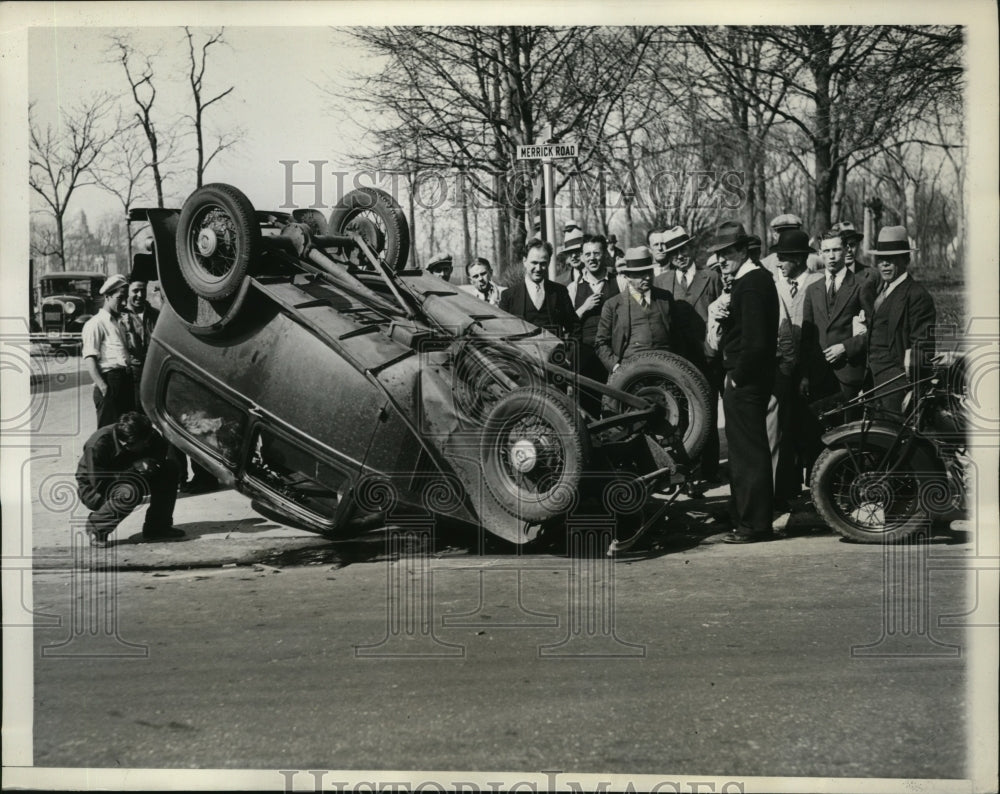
295	472
205	416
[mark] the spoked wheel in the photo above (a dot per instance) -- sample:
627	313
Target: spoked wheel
374	216
858	495
218	238
533	452
676	385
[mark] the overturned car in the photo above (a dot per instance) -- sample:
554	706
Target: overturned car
299	361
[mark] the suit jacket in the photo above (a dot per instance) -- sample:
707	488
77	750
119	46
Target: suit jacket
561	316
615	328
750	332
692	308
822	327
790	314
494	296
911	321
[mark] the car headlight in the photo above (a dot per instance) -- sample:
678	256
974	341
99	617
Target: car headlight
69	308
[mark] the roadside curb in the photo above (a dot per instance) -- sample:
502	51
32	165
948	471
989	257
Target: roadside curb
125	555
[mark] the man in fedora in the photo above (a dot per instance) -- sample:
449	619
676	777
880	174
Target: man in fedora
749	330
441	266
901	320
852	238
638	319
105	354
793	431
571	253
693	289
536	299
834	353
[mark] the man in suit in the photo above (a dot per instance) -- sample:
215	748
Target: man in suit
693	289
479	272
640	318
571	250
852	238
793	431
902	316
749	331
536	299
657	241
595	288
834	354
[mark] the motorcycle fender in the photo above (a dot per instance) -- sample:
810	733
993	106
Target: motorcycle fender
922	454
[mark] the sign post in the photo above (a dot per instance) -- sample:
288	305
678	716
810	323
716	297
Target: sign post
547	152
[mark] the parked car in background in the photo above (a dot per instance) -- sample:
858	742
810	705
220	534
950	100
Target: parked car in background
66	301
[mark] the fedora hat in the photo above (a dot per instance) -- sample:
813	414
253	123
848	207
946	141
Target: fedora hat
893	241
787	221
573	241
637	260
113	284
571	224
793	241
847	231
675	238
726	234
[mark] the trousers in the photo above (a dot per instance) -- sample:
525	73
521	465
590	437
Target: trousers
123	491
750	473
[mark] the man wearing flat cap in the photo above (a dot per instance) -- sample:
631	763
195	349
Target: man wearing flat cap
901	320
749	326
693	289
441	266
640	318
105	355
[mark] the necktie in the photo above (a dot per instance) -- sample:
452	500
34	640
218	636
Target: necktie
831	291
644	300
793	287
880	298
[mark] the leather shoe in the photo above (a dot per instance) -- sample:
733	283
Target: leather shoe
99	540
163	533
748	537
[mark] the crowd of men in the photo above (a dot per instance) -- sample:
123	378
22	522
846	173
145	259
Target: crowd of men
775	337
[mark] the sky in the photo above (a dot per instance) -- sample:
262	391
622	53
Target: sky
280	78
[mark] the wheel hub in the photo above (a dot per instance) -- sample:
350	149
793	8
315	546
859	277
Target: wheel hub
523	455
207	242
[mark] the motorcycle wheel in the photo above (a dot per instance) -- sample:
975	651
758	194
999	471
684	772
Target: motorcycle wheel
857	498
533	452
218	238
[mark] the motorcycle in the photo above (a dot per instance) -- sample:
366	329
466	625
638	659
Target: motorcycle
887	476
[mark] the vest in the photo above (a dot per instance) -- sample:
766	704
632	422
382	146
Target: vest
880	337
592	318
647	330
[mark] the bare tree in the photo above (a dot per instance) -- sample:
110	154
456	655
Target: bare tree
196	78
62	159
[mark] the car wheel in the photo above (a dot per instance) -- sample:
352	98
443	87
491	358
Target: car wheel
677	385
374	216
218	238
857	497
533	451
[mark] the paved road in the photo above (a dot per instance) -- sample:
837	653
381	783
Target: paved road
716	660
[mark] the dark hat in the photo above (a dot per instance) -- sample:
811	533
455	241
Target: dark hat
675	238
440	262
637	260
793	241
893	241
113	284
786	221
847	231
754	243
728	233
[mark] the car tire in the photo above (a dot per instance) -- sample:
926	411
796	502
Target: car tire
533	452
374	215
676	383
218	238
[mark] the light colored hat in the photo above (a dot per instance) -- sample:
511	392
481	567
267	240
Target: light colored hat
440	262
571	224
787	221
573	241
893	241
637	260
675	238
113	284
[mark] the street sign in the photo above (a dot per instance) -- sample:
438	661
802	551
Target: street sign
539	151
